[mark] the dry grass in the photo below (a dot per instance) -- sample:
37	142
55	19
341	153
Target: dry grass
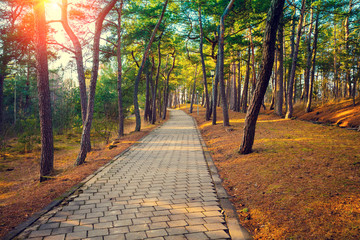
21	194
301	182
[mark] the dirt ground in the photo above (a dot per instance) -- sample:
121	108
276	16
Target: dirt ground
301	182
21	194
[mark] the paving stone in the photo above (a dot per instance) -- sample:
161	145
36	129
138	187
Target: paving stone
40	233
49	226
196	236
103	225
177	223
139	227
176	230
160	219
135	235
98	232
115	237
55	237
219	234
76	235
156	233
195	228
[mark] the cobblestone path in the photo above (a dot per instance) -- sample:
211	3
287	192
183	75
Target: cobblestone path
160	189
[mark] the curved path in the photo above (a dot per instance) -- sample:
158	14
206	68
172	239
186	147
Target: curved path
160	189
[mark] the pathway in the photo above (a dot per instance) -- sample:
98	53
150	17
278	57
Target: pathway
160	189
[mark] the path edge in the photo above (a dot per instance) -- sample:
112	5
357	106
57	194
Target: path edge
236	231
36	216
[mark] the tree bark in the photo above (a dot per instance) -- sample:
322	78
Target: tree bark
221	64
246	84
153	118
239	85
336	81
308	105
290	90
47	145
78	57
252	61
166	95
119	73
85	136
79	64
137	80
280	72
347	48
233	89
193	93
207	103
267	62
215	94
305	93
2	78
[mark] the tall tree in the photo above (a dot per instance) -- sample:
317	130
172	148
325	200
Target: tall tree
85	136
166	90
290	89
79	63
221	64
119	74
47	145
137	80
313	64
207	104
279	81
308	59
153	118
244	98
272	22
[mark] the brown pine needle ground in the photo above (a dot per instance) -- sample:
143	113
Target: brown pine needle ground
301	182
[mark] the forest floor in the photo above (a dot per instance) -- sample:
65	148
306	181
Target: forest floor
21	194
302	180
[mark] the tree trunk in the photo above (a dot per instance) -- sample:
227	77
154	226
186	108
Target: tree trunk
147	94
47	145
2	78
215	94
78	57
246	84
153	118
166	95
252	61
85	136
193	93
290	88
234	89
272	22
280	72
239	85
336	83
308	105
221	64
119	77
79	64
207	114
305	93
347	48
137	80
